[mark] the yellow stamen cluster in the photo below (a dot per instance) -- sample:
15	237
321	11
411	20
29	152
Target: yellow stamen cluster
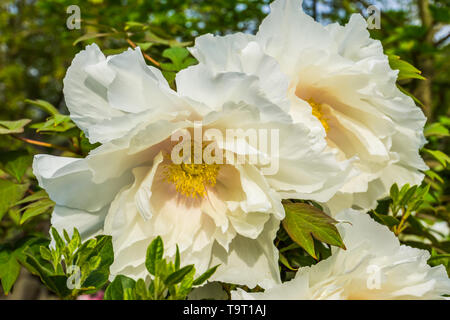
192	179
318	113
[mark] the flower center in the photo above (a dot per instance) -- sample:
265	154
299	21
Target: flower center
191	179
318	113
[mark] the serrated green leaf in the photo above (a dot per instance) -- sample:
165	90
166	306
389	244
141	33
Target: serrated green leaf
155	253
303	222
9	127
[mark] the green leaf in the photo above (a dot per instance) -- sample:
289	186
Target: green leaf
180	58
144	45
394	192
439	156
169	75
9	269
177	259
155	253
55	282
36	208
134	24
205	276
75	242
178	275
406	70
389	221
122	288
186	285
45	253
38	195
44	105
15	163
10	193
56	123
141	290
8	127
303	222
285	262
58	240
436	129
101	246
434	176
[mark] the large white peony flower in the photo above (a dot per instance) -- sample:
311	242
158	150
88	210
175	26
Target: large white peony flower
130	188
374	266
340	82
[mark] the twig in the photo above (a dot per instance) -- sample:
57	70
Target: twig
43	144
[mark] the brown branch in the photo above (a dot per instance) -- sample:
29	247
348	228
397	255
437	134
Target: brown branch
146	56
43	144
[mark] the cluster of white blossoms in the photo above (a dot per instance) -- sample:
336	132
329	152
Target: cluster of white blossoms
346	134
373	266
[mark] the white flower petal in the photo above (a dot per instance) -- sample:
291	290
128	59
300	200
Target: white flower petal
218	54
69	182
105	96
89	224
249	262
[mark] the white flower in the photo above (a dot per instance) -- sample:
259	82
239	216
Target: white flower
340	82
374	266
129	188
